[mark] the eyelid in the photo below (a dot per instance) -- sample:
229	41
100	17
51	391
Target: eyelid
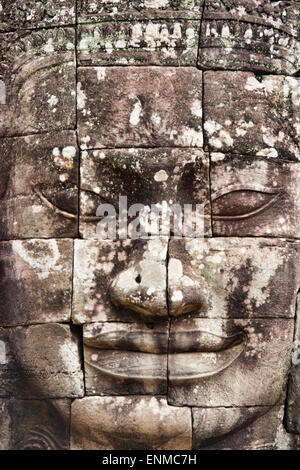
51	206
276	195
95	218
103	199
258	188
66	214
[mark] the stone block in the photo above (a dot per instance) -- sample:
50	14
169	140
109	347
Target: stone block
139	107
229	363
38	194
155	178
233	277
129	423
40	361
250	115
126	358
257	35
255	197
35	281
254	428
32	14
35	424
37	81
121	280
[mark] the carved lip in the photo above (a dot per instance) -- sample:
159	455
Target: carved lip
203	341
156	342
183	367
122	338
192	355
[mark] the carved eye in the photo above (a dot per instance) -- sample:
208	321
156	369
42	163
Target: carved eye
95	200
241	204
68	198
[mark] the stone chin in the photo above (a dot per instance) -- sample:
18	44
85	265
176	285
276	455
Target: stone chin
144	422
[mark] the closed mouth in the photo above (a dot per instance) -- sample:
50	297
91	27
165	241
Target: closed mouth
143	355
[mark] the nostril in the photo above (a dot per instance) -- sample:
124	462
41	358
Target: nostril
135	290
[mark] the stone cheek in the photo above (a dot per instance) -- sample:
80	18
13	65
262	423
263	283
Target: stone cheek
29	372
35	424
36	281
38	70
265	430
152	177
131	423
227	278
43	203
250	117
258	35
251	372
139	107
293	401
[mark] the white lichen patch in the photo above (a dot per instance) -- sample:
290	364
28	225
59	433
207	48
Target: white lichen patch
268	152
36	209
212	126
101	73
156	119
65	157
223	138
84	142
196	108
190	137
253	84
41	265
175	271
69	152
52	100
268	137
217	156
177	296
3	358
49	47
81	97
156	3
156	249
136	113
161	176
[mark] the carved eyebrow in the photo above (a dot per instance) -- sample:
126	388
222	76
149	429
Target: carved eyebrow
276	196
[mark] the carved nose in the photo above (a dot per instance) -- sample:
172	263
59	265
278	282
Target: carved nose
187	290
142	287
155	287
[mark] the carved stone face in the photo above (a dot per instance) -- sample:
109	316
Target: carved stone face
165	342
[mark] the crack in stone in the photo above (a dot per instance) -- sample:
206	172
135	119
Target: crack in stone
169	317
